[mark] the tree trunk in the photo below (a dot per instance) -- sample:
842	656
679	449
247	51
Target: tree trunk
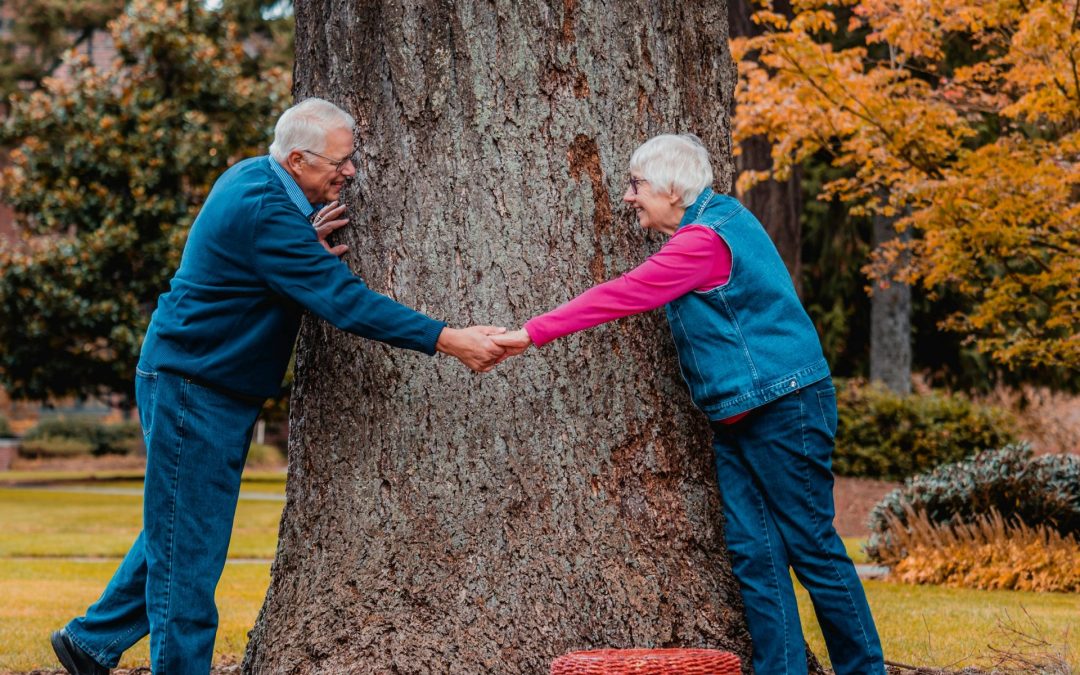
890	323
441	521
777	204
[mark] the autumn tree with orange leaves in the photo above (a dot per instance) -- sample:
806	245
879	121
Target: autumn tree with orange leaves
960	119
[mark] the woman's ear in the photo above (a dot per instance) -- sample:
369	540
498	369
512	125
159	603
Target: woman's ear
674	198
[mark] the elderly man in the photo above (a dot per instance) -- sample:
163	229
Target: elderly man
217	346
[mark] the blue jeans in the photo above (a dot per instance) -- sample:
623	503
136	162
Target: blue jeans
774	469
196	443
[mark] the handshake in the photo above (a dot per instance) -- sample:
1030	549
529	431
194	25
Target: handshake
482	347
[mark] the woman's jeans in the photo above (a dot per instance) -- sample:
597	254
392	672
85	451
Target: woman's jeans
196	442
774	468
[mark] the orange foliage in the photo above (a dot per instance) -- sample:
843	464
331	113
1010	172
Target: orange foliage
961	118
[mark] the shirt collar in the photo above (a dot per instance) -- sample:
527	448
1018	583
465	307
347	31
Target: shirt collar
292	188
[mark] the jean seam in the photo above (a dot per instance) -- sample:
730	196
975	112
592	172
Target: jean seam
817	526
117	640
763	511
693	353
172	520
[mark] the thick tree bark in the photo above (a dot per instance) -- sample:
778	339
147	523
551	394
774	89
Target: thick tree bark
777	204
441	521
890	323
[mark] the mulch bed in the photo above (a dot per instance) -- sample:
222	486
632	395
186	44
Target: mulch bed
854	498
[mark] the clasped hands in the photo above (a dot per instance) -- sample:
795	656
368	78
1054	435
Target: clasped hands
481	348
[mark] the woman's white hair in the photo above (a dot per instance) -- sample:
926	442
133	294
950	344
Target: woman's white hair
305	126
674	164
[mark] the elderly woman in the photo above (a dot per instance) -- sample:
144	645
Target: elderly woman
753	362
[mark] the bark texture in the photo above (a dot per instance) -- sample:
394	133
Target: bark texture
890	323
441	521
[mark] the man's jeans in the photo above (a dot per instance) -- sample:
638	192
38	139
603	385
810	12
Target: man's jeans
774	468
196	442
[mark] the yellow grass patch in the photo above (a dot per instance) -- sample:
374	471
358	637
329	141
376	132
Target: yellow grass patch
989	553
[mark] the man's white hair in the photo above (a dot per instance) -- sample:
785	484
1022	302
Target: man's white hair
305	126
674	164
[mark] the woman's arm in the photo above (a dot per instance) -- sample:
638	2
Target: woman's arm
695	258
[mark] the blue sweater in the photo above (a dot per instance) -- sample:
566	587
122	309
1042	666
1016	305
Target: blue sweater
251	265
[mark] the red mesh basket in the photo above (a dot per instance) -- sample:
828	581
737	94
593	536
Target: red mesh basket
647	662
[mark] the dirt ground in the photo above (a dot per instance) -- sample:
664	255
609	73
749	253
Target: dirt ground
82	463
854	498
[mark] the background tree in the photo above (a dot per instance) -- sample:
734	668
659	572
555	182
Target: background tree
267	30
439	521
107	173
38	32
777	204
974	146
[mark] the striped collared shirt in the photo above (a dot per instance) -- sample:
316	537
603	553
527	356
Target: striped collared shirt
292	189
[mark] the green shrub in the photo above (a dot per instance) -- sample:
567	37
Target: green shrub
887	436
54	446
5	428
260	455
1043	490
101	438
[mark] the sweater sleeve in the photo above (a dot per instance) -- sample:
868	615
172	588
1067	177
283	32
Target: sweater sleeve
293	263
695	258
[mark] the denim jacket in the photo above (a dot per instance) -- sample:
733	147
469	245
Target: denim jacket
750	341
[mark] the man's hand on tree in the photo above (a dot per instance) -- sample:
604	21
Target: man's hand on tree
326	222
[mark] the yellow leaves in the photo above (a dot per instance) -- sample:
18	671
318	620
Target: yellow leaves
814	21
983	163
771	19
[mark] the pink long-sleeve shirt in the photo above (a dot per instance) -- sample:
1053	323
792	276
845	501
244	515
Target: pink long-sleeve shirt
694	259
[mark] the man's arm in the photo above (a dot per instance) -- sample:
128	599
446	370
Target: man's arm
294	263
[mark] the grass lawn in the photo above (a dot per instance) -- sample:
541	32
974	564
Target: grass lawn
39	522
955	627
39	590
853	545
38	596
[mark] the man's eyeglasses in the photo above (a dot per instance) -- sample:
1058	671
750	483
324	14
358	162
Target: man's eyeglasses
634	183
339	165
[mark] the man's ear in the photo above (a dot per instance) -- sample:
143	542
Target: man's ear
295	160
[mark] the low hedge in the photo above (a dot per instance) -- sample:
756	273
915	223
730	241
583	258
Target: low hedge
5	428
54	446
1022	488
97	438
888	436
